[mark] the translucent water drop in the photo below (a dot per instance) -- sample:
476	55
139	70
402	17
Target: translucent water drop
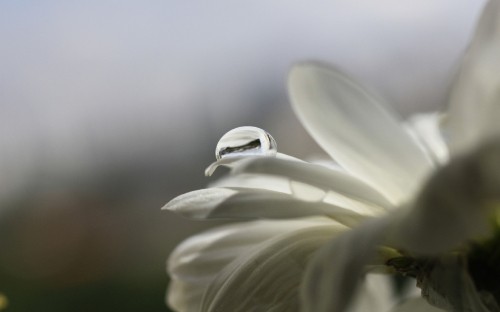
246	141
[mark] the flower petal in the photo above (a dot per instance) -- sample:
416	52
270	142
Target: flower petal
269	278
474	103
457	204
319	176
222	203
189	204
427	131
337	268
416	305
232	161
356	129
194	263
375	294
255	181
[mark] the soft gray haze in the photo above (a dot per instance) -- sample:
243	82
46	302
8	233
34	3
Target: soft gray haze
86	80
108	109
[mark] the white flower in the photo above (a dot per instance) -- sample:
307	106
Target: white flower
400	185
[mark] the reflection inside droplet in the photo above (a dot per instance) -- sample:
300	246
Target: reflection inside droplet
246	141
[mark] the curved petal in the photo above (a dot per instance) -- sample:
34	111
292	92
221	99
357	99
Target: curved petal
269	278
338	267
365	206
319	176
427	131
356	129
234	160
416	305
255	181
457	204
221	203
194	263
474	103
375	294
189	204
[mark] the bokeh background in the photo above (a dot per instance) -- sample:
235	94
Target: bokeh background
108	109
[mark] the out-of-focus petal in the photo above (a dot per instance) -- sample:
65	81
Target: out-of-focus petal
269	278
221	203
338	267
357	130
375	294
427	131
361	207
475	97
324	178
416	305
194	263
457	204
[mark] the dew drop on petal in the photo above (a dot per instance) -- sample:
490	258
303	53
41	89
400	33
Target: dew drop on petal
246	141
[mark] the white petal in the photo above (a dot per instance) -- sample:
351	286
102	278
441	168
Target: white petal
194	264
427	130
255	181
375	294
361	207
190	203
416	305
356	129
475	98
456	205
220	203
232	161
185	296
319	176
337	268
231	239
269	278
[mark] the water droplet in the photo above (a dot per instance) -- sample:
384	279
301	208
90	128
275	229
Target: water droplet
246	141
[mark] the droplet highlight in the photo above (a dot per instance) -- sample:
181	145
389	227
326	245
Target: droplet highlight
246	141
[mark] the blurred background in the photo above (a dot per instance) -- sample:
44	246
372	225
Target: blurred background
108	109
